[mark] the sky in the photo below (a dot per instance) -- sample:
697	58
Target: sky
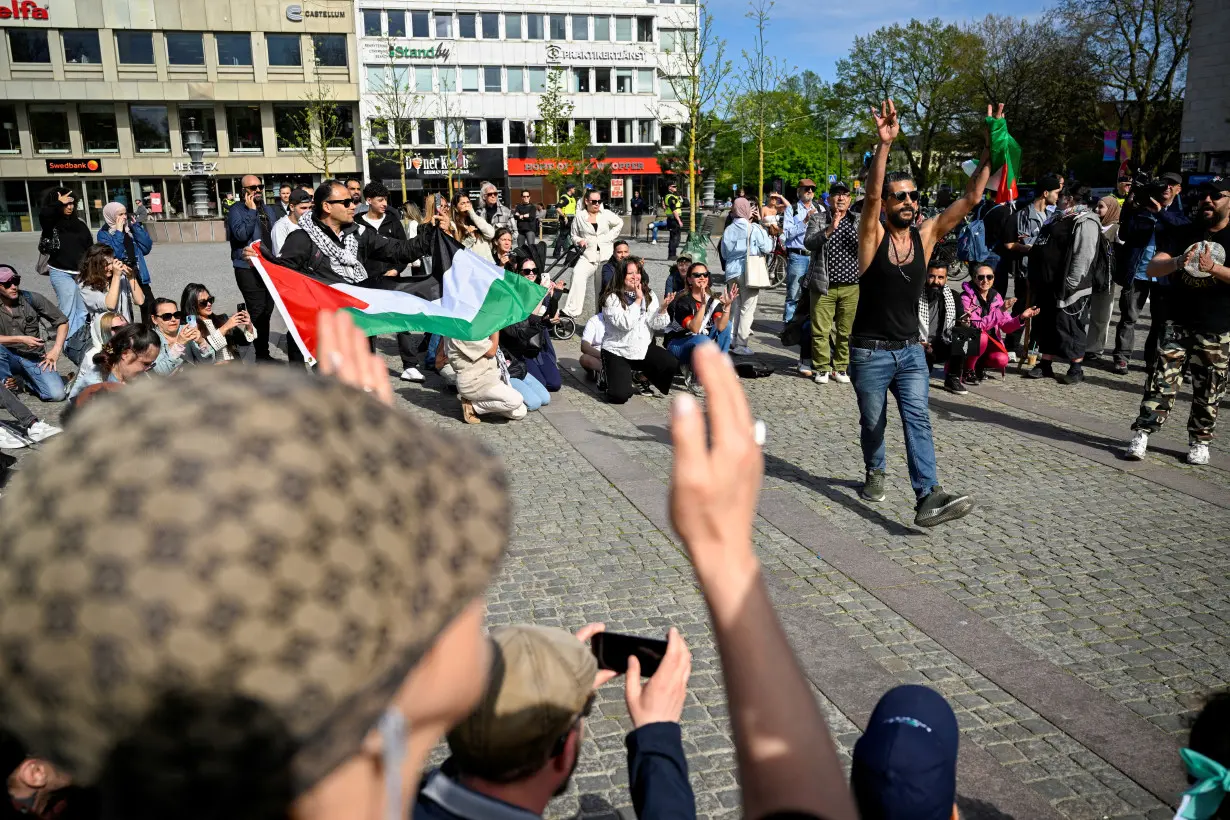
815	34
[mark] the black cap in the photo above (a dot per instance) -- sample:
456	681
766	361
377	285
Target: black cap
1214	185
1172	178
839	187
299	196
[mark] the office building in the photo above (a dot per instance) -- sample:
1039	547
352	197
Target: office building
1205	143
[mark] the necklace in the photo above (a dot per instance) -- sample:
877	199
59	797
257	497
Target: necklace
896	257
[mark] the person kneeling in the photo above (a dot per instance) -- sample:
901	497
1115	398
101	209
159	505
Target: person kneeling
631	314
991	313
483	380
939	313
696	317
591	349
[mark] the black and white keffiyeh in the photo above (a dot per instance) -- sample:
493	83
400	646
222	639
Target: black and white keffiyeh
343	259
924	315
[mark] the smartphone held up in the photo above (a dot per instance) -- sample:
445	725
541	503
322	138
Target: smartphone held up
612	651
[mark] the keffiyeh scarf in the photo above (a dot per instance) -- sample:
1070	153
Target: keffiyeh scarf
924	315
343	259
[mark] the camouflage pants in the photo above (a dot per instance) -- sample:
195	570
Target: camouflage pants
1208	358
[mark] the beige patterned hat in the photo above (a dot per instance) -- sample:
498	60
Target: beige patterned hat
252	532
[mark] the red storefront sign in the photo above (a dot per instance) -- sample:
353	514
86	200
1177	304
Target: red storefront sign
22	10
621	166
155	202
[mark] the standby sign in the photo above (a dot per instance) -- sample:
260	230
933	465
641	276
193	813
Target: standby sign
393	51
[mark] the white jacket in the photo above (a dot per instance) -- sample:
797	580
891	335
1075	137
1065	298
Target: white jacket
629	328
600	243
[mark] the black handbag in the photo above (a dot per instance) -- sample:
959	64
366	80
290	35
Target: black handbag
49	243
966	341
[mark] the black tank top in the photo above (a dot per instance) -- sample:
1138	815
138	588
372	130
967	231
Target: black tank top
888	294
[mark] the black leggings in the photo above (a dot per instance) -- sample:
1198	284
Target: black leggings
659	366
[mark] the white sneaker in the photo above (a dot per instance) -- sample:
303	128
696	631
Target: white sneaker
1012	357
742	350
821	378
841	378
411	374
653	242
1140	444
8	441
1198	453
40	430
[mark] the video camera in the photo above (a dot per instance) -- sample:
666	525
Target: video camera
1145	188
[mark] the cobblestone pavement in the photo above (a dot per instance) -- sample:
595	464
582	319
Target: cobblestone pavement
1075	620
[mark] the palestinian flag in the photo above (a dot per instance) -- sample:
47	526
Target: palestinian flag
1005	156
476	299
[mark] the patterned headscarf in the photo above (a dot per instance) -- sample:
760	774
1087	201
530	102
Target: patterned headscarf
248	533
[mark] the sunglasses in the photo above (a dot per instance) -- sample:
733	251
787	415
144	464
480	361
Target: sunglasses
805	190
529	270
491	193
525	196
985	278
205	302
699	275
166	317
347	202
902	196
594	201
14	282
254	187
1213	196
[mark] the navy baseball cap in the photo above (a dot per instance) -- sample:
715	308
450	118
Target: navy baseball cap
905	764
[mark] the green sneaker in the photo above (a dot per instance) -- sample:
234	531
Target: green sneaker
873	487
939	507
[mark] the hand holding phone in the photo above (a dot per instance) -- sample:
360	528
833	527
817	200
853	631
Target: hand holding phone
661	700
612	651
242	307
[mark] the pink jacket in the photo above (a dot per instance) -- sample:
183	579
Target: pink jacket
996	321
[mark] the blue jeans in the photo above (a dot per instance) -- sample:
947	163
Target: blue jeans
796	269
48	385
905	373
433	346
68	298
532	391
656	226
681	349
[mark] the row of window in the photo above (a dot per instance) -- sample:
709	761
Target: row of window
384	132
501	79
485	25
183	48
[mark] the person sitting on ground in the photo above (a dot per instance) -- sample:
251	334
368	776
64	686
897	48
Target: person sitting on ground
102	327
619	252
501	248
181	343
130	352
483	381
24	422
591	349
697	317
677	277
905	764
988	311
131	243
522	744
25	357
229	337
108	283
632	313
1207	760
529	341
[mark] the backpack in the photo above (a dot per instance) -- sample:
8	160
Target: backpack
1103	269
972	239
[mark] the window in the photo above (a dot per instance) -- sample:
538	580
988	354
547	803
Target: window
379	130
283	49
512	27
602	80
623	132
559	26
516	80
602	134
516	132
645	131
467	25
580	27
602	29
403	132
150	132
10	140
623	29
98	132
427	132
234	49
422	78
448	78
644	29
469	78
397	23
667	39
580	79
81	47
243	124
185	48
377	77
644	81
29	45
492	82
444	23
491	25
345	126
474	132
623	81
419	23
202	119
330	49
538	79
495	132
581	125
135	47
670	135
288	126
371	23
49	130
533	26
667	88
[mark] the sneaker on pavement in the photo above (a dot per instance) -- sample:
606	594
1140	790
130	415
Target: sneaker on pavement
970	377
1139	446
1198	453
821	378
939	507
1037	373
742	350
840	377
873	486
693	386
467	413
411	374
953	385
653	242
1120	367
805	370
40	430
8	441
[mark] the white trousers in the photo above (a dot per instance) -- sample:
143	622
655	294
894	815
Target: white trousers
743	313
574	300
498	399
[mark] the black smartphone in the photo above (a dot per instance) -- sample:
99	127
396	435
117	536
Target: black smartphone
242	306
612	651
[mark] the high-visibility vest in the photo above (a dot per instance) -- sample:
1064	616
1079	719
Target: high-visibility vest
569	206
673	202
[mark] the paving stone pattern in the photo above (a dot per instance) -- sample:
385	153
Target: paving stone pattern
1120	582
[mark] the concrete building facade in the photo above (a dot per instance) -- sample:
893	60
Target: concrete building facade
1205	143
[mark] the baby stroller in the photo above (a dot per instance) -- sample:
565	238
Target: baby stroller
566	327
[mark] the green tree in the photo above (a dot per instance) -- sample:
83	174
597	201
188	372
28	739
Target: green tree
755	109
396	108
551	131
322	126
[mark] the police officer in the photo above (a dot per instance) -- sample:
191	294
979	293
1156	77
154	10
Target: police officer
674	217
567	212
